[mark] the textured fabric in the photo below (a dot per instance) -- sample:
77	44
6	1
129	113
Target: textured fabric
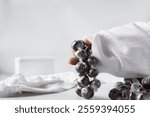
37	84
124	51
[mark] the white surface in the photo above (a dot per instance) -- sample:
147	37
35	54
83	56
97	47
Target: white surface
101	94
70	94
31	66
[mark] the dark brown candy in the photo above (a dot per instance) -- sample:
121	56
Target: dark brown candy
81	67
87	92
128	84
88	50
93	73
77	44
79	84
125	94
137	94
118	84
140	96
132	96
146	82
95	84
124	88
128	80
84	81
144	96
132	80
81	54
115	94
135	87
92	61
125	91
135	80
78	91
140	89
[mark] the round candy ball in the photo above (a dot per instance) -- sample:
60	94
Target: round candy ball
77	44
81	67
95	84
87	92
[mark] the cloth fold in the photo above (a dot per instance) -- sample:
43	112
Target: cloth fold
124	51
37	84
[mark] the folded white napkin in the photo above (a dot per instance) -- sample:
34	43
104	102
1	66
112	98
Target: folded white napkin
37	84
124	51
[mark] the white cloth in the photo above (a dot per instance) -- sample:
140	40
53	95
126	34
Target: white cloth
124	51
37	84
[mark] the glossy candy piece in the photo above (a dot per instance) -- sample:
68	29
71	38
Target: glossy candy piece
124	88
77	44
92	61
87	92
88	50
118	84
128	84
81	54
146	82
136	91
125	91
132	96
93	73
128	80
95	84
135	87
115	94
141	89
141	95
144	96
84	81
135	80
132	80
79	84
125	95
78	91
81	67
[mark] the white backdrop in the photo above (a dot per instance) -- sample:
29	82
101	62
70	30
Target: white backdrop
47	27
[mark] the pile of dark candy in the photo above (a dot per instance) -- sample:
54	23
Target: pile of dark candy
86	83
131	89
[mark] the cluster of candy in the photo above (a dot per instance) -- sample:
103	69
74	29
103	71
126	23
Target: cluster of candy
131	89
86	84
